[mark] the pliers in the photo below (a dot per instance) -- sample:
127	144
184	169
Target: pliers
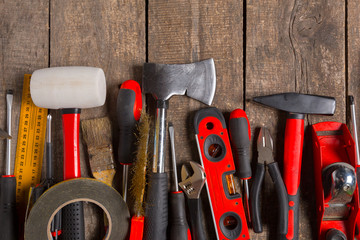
265	158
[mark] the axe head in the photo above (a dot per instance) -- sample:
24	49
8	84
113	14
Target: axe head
299	103
195	80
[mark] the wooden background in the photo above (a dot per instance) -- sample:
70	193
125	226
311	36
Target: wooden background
259	48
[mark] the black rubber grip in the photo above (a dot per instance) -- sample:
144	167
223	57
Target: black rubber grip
282	198
335	234
156	211
293	204
240	142
255	198
8	219
197	230
179	228
73	227
127	124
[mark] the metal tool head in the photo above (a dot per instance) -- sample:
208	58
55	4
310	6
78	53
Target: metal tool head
265	146
196	80
299	103
192	184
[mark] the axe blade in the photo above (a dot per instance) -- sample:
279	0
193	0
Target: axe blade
196	80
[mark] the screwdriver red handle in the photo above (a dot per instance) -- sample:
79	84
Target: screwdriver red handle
129	106
179	228
240	135
294	137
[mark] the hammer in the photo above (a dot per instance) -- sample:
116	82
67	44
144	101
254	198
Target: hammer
197	81
70	89
297	105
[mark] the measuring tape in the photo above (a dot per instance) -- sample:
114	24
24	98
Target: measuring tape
30	146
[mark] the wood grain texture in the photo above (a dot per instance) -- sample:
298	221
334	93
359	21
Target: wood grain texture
23	48
297	47
106	34
190	31
353	55
24	41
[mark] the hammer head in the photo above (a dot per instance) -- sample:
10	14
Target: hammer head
299	103
68	87
196	80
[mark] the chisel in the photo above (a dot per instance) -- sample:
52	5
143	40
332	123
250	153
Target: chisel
8	185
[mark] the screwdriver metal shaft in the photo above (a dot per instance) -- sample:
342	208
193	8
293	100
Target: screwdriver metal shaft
179	228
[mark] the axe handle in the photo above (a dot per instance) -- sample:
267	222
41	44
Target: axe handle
294	138
156	212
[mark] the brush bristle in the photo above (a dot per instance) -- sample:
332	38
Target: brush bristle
10	91
138	182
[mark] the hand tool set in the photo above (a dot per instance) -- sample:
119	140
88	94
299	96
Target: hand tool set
224	161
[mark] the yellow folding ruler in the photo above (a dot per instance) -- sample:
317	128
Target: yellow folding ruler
30	146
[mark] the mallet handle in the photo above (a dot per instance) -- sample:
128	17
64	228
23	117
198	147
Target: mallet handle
73	214
71	123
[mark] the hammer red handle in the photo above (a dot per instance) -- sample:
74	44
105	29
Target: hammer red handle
71	122
294	137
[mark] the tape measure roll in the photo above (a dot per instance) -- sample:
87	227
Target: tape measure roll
37	225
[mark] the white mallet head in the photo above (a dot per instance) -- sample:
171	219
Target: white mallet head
68	87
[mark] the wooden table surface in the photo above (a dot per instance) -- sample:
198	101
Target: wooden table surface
259	48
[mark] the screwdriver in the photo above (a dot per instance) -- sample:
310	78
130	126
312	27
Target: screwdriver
8	185
240	135
55	227
129	105
179	228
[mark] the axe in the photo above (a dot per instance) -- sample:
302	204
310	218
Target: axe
195	80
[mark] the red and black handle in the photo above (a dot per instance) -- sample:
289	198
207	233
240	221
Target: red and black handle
129	106
8	219
179	228
73	226
240	135
293	146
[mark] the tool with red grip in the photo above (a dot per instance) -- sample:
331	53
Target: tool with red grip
129	106
240	135
297	105
217	159
70	89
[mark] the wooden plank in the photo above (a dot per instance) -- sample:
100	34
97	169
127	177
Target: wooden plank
353	54
294	46
189	31
106	34
23	48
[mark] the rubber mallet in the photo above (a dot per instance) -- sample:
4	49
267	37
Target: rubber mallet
70	89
